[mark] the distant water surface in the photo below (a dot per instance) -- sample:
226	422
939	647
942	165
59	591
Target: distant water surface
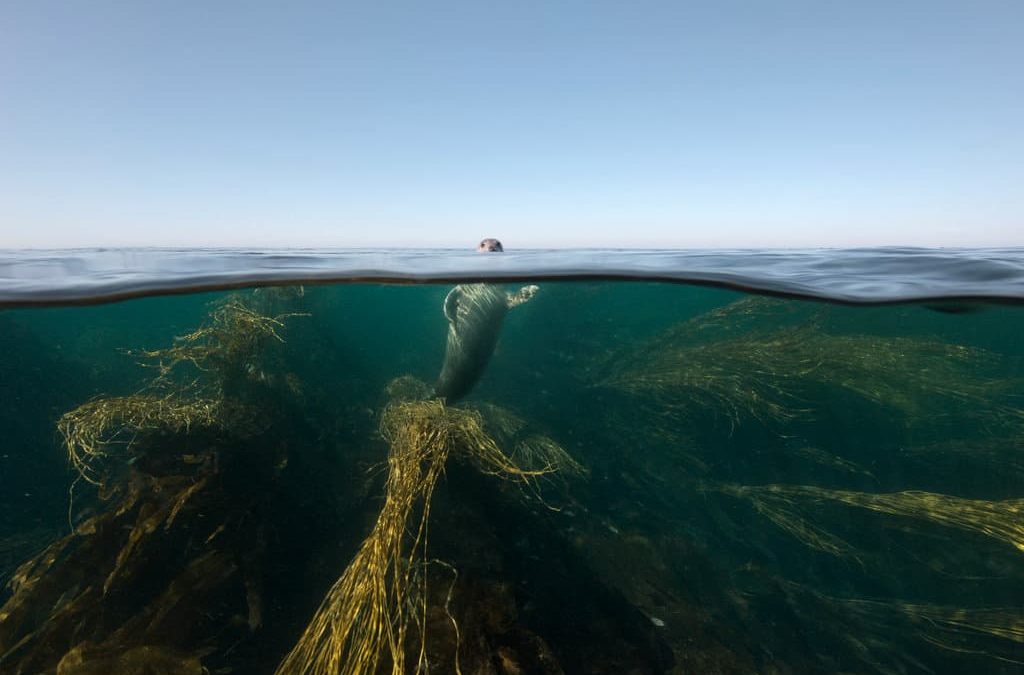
865	275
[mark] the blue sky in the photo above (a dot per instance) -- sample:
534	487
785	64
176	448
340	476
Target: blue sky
730	124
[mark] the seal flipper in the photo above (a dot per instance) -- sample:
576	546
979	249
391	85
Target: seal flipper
451	305
524	294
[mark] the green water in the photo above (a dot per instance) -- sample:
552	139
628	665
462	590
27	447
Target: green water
772	486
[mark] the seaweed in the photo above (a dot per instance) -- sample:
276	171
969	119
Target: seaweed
158	576
367	614
756	369
22	546
792	507
229	345
92	428
892	636
151	583
233	527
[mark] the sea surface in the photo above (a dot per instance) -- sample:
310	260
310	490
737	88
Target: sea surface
228	461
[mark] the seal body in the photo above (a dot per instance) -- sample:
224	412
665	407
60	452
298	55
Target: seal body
475	313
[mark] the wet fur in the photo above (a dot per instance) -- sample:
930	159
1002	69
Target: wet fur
475	314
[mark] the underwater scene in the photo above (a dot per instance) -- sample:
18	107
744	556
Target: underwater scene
593	477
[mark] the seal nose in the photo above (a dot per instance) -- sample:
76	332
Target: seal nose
489	245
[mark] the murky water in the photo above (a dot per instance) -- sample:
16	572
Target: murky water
647	478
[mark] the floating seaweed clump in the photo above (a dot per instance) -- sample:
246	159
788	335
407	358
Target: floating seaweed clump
90	429
767	374
228	352
229	345
367	614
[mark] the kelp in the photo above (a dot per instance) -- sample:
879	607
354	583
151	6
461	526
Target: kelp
531	450
21	546
134	577
228	351
90	430
764	369
364	620
1003	455
229	344
151	583
938	624
407	388
827	459
906	374
892	635
174	525
87	659
169	575
793	508
735	380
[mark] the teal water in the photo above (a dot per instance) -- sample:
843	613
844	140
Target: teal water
763	485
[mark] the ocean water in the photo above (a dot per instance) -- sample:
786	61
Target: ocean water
673	462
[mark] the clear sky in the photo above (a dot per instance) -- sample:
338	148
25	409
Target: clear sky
563	122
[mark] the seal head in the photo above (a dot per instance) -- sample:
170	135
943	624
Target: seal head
489	246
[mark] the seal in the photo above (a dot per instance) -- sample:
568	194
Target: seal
490	245
475	313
